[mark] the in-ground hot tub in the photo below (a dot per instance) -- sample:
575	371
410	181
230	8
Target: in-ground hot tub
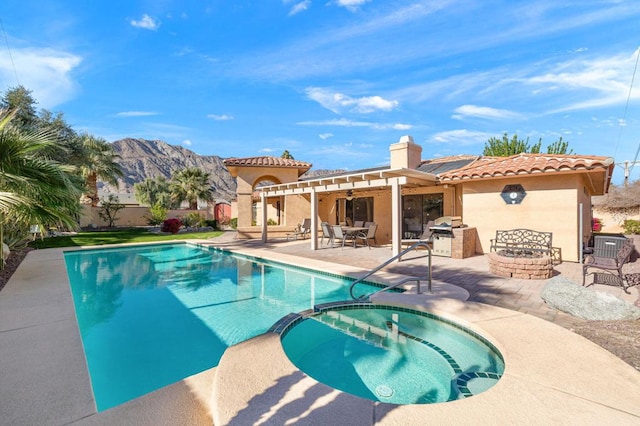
392	354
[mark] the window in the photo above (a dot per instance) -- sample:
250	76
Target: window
356	209
418	210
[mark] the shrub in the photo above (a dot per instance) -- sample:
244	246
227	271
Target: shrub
193	219
211	222
157	214
234	223
271	222
631	226
171	225
109	209
596	224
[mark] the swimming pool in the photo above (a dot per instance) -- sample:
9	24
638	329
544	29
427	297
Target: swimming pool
392	354
152	315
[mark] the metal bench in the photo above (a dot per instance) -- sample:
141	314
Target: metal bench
522	241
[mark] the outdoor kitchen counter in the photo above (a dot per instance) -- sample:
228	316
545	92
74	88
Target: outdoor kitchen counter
463	243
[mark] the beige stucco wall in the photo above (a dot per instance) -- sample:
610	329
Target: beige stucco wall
131	216
246	182
551	204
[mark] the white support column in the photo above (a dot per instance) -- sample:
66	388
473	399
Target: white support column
263	201
314	220
396	217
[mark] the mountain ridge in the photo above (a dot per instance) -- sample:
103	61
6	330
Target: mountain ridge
142	159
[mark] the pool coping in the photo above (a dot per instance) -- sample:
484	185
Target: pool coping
563	383
45	380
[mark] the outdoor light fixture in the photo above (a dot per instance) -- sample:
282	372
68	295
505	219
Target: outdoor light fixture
349	195
513	194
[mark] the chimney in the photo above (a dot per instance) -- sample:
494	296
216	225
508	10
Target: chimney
405	154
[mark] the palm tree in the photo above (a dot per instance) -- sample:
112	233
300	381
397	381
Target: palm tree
33	188
98	163
191	184
153	191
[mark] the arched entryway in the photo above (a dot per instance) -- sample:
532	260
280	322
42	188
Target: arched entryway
252	173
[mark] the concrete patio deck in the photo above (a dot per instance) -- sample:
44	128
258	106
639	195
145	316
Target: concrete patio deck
45	381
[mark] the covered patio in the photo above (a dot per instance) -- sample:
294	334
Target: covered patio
542	192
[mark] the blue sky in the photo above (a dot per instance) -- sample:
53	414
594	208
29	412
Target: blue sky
334	82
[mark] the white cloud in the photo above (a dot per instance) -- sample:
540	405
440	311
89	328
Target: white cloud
474	111
186	142
325	136
460	137
136	114
299	7
46	72
351	5
338	102
343	122
601	82
146	22
220	117
400	126
267	150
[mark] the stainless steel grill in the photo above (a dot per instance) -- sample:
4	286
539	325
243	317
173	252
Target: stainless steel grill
443	234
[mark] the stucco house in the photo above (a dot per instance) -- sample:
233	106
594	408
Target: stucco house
542	192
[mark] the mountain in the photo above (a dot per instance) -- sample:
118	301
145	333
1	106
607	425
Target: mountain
141	159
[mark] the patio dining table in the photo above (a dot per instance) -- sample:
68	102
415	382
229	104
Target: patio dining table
352	231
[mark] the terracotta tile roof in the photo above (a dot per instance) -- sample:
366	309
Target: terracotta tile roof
527	164
266	161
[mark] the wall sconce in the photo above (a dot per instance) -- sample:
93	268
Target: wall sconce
513	194
349	195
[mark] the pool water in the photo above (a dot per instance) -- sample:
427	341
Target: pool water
152	315
393	355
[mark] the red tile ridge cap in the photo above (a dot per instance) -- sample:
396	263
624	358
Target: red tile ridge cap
265	161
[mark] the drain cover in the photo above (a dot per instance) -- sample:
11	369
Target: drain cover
384	391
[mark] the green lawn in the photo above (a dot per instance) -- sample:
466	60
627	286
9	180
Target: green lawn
116	236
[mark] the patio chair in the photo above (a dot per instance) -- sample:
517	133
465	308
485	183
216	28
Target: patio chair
369	235
36	231
368	224
338	234
359	223
609	265
327	232
303	230
349	221
427	235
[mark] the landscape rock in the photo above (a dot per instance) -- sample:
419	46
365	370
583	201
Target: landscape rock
567	296
5	252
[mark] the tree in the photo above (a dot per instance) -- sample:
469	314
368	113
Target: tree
98	162
559	147
19	101
286	155
154	191
67	138
506	147
34	189
191	184
109	209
